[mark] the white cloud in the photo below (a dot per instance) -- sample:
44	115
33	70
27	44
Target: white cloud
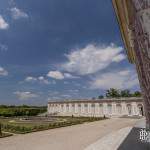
30	79
3	24
43	80
25	95
40	79
92	59
117	79
17	13
60	76
3	72
119	58
70	76
56	75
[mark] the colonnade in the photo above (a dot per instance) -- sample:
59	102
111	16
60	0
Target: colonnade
96	108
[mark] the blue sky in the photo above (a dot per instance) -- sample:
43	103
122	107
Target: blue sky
60	49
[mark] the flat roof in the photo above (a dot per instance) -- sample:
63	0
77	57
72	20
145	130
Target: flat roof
124	13
132	99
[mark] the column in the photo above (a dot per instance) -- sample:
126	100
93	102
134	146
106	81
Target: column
134	108
124	108
114	108
96	109
82	109
76	108
89	109
105	110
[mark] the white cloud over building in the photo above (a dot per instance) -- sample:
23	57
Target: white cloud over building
92	59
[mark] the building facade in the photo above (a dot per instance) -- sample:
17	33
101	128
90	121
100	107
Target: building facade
134	21
97	108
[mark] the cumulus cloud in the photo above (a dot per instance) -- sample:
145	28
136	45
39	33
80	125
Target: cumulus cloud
18	14
3	72
123	79
56	75
25	95
70	76
40	79
3	24
43	80
60	76
92	59
30	79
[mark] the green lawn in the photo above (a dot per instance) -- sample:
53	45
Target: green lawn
33	124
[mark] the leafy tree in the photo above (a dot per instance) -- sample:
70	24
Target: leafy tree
137	94
100	97
112	93
125	93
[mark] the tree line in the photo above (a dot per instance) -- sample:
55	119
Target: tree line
11	111
116	93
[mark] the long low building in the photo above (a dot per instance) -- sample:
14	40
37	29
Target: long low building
103	107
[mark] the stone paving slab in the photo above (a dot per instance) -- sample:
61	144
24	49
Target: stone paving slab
111	141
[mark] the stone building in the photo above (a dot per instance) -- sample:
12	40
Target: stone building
134	21
107	107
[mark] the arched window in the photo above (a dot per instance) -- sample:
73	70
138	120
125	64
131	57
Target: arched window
119	109
141	109
93	108
129	109
93	105
101	109
109	109
73	107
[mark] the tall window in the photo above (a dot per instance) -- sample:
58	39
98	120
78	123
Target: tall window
101	109
129	108
109	109
93	108
119	109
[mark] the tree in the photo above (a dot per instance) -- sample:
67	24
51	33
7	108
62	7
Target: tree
100	97
113	93
125	93
137	94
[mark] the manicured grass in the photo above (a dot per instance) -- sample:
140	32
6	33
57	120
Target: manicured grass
22	126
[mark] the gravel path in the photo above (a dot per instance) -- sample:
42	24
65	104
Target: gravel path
76	137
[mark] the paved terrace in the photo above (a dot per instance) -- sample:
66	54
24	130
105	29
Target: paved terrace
77	137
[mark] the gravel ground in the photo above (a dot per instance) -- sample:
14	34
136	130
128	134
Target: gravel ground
76	137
